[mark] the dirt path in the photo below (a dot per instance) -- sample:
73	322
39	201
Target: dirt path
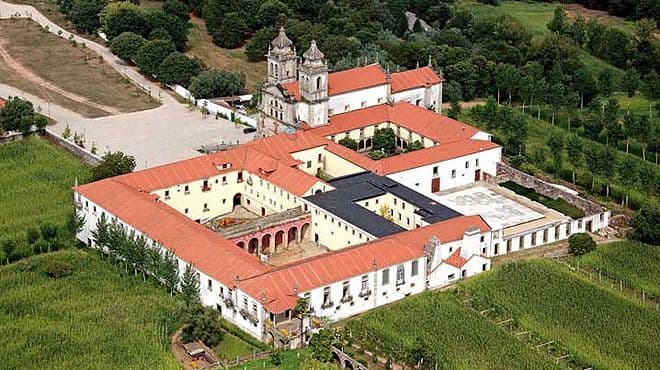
32	77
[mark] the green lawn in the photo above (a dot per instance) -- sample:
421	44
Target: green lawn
556	204
232	347
437	325
36	179
534	16
96	317
598	327
636	263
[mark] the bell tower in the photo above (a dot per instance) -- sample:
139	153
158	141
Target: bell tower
282	59
313	82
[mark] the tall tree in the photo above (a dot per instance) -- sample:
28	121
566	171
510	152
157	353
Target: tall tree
559	22
556	144
190	285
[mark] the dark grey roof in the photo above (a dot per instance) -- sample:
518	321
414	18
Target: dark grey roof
366	185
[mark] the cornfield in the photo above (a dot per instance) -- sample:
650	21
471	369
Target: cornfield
96	317
36	179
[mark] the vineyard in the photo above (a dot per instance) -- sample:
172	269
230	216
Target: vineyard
70	310
635	263
36	180
590	324
437	327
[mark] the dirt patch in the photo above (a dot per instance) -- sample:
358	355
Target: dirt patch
179	352
29	75
572	10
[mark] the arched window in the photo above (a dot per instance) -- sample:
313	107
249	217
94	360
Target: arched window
275	65
318	83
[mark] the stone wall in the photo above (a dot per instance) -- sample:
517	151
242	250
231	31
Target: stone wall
508	173
82	153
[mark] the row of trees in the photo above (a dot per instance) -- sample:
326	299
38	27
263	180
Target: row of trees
19	115
136	254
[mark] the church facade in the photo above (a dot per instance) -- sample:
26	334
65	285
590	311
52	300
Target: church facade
301	93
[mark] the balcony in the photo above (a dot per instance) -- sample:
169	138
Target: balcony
346	299
206	188
228	302
249	315
327	304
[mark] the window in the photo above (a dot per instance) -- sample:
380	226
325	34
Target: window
185	211
254	308
224	179
366	204
453	174
467	164
533	242
206	207
331	112
167	194
205	186
476	162
435	171
451	277
380	100
482	238
363	104
347	107
484	267
414	268
245	301
365	283
309	164
240	177
386	277
326	297
346	292
186	189
320	157
209	285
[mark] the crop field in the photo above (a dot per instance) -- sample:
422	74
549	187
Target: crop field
56	70
36	179
596	326
93	318
438	325
636	263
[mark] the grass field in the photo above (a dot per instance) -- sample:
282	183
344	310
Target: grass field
93	318
436	324
556	204
290	360
36	179
232	347
201	45
597	326
80	81
638	264
51	10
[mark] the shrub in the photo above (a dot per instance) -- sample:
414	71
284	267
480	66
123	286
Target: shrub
349	143
581	244
84	14
113	164
201	324
276	357
177	9
48	231
320	345
123	17
56	269
32	235
126	45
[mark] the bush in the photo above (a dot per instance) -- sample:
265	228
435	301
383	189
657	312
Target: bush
320	345
126	45
177	9
349	143
581	244
84	14
201	324
113	164
32	235
214	83
55	268
276	357
48	231
123	17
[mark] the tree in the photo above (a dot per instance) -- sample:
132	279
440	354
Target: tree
169	270
585	84
228	31
556	96
581	244
257	47
559	22
320	345
190	285
645	224
159	19
84	14
177	68
507	78
606	82
201	323
301	310
611	123
349	143
151	55
384	140
577	30
595	163
454	109
628	169
556	144
126	45
16	114
270	10
630	81
214	83
113	164
177	9
123	17
574	151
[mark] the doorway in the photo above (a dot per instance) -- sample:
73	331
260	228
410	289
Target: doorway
477	175
435	185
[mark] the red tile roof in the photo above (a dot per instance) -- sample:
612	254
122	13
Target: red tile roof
292	88
456	260
190	241
278	284
356	79
414	78
426	123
